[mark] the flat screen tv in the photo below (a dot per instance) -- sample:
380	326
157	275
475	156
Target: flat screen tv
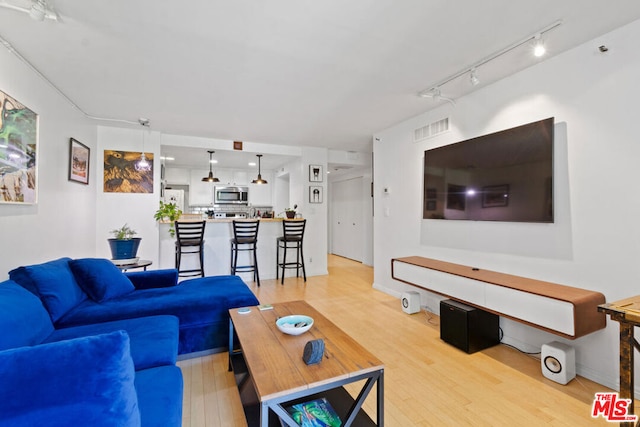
503	176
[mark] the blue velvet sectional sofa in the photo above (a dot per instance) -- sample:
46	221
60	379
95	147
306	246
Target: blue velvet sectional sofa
83	344
92	290
119	373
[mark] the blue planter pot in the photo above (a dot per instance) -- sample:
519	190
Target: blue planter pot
124	249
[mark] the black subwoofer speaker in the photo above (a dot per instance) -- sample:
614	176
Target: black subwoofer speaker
468	328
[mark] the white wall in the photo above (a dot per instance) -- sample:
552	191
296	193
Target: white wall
135	209
315	234
62	222
595	241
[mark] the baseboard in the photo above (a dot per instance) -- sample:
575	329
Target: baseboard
387	290
187	356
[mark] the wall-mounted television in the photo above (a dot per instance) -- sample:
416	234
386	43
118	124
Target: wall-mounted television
502	176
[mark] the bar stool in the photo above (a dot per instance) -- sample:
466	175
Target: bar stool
245	238
293	233
190	240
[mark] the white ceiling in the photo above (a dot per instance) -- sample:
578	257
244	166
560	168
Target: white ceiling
198	158
294	72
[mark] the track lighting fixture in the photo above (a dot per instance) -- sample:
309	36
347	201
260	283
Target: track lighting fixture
38	10
434	91
473	77
436	95
143	164
259	179
210	177
538	47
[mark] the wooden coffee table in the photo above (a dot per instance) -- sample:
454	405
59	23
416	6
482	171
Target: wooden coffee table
271	374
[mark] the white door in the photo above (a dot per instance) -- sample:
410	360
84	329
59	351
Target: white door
347	229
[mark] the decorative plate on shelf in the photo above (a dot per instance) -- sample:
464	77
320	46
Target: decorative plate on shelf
127	261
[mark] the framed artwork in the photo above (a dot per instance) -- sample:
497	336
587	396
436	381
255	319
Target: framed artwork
315	173
495	196
18	148
79	155
315	194
121	176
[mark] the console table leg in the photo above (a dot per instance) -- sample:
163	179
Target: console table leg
380	411
626	366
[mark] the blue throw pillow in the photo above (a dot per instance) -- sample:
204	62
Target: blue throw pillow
23	319
85	381
100	278
54	283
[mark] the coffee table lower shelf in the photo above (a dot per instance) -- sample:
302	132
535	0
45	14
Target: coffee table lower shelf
339	398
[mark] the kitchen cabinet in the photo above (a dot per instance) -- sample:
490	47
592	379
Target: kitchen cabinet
177	176
232	176
262	194
240	177
224	175
200	192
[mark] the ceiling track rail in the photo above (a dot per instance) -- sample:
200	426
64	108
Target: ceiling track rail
24	60
434	88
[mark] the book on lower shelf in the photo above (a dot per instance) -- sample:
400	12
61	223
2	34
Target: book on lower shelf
314	413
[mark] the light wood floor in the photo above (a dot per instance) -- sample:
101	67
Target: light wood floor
427	382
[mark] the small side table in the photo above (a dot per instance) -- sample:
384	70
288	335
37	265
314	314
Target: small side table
143	263
627	313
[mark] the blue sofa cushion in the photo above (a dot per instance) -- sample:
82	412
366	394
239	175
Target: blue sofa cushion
23	319
86	381
54	283
154	339
154	278
160	396
100	278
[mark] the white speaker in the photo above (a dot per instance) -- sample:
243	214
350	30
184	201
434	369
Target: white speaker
411	302
558	362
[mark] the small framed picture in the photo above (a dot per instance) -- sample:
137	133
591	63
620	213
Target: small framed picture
315	194
79	155
315	173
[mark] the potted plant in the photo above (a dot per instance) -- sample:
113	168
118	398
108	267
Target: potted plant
291	213
123	245
168	212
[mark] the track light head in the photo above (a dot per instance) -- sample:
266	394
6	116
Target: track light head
473	77
538	47
38	10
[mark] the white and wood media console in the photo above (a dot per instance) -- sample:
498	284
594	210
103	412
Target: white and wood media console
562	310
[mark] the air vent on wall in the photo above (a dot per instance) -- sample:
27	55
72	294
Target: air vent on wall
431	130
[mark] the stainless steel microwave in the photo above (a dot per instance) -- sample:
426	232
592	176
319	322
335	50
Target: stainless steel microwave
231	195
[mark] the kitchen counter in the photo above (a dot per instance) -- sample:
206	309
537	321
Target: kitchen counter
217	248
214	220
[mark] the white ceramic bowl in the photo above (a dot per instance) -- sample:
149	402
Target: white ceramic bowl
295	324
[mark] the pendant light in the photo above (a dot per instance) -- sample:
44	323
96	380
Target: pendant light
210	178
259	180
143	164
